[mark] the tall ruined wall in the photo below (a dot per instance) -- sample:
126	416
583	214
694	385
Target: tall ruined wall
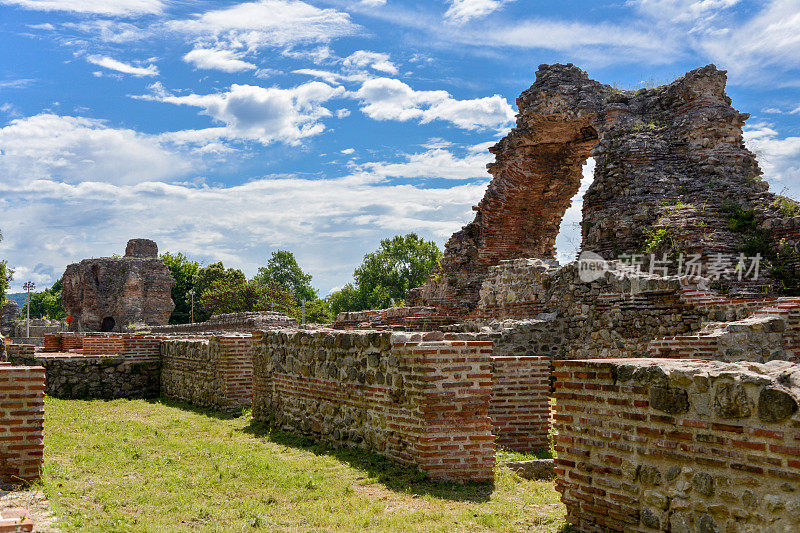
420	403
108	294
670	158
678	446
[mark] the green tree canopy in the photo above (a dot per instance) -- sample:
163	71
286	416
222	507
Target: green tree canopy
46	304
238	296
206	277
282	268
387	274
183	270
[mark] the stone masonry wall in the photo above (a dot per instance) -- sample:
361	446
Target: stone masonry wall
424	404
211	372
238	322
680	446
21	423
75	376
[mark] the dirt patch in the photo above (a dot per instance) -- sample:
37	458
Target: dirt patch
35	505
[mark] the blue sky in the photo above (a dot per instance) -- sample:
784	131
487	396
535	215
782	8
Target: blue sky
228	130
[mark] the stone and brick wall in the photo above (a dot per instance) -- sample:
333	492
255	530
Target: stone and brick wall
678	446
233	322
520	402
211	372
424	404
394	318
21	422
76	376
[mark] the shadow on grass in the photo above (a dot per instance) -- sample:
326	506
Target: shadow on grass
205	411
392	475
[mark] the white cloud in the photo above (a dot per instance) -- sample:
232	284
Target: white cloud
125	68
211	59
568	241
391	99
436	163
373	3
770	39
778	158
348	151
98	7
252	25
263	114
76	149
329	223
362	59
110	31
461	11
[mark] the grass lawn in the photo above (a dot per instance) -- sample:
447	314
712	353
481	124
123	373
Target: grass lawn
161	466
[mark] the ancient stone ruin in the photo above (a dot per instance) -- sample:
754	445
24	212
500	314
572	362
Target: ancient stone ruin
676	394
670	159
113	293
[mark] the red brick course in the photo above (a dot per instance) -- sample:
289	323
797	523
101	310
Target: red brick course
21	422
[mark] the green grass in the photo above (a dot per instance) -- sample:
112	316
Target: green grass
161	466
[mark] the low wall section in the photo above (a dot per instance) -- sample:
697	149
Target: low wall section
212	372
21	422
424	404
678	446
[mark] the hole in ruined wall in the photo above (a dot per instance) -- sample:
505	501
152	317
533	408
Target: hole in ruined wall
108	324
568	241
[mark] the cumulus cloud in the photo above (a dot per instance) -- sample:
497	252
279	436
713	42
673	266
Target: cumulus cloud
98	7
77	149
362	59
461	11
253	25
329	223
211	59
779	158
391	99
262	114
437	162
125	68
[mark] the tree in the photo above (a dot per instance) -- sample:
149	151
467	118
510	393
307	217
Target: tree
206	277
386	275
6	275
238	296
183	270
282	268
46	304
318	312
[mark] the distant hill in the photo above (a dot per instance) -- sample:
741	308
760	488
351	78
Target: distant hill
19	297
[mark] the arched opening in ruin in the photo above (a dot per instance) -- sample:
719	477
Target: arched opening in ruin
108	324
570	238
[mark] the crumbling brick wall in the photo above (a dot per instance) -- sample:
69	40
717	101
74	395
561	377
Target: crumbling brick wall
211	372
669	159
679	446
420	403
21	422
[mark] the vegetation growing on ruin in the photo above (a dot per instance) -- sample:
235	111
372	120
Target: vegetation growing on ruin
787	206
660	241
127	465
780	260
